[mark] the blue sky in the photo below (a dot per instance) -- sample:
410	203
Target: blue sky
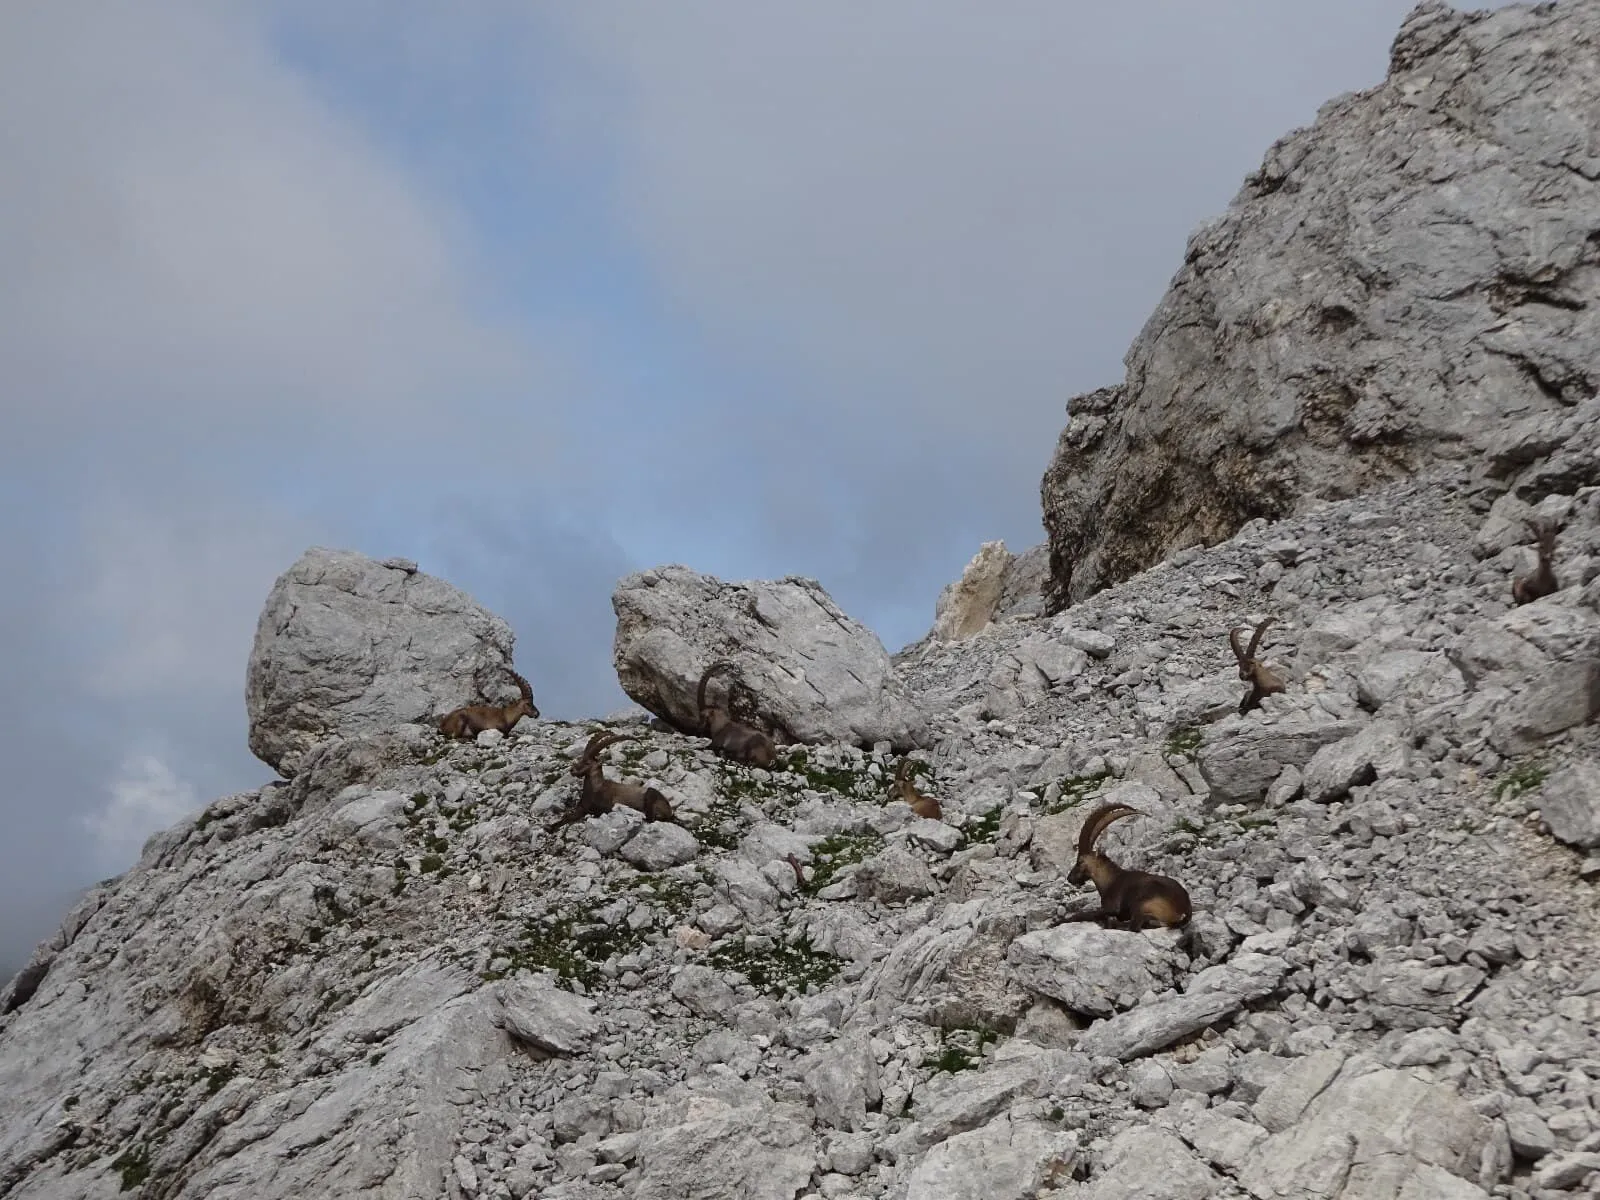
539	295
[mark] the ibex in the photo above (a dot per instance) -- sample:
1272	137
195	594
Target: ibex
744	743
1542	581
600	795
904	788
1137	898
1263	681
473	719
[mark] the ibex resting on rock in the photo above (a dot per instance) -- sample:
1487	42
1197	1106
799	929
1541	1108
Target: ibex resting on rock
1263	681
1137	898
473	719
903	788
599	795
1541	581
743	743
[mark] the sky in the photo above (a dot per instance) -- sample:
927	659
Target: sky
539	295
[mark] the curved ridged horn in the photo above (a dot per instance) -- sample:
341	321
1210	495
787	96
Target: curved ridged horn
1095	824
1255	638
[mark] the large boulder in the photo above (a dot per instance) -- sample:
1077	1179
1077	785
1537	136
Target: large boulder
814	671
1403	281
347	645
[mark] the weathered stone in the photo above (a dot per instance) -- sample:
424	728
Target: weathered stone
1089	969
1007	1159
1150	1164
659	845
966	606
1240	768
843	1081
1425	677
814	671
894	876
545	1018
1562	695
1273	369
1378	750
1569	802
702	1147
1155	1026
346	645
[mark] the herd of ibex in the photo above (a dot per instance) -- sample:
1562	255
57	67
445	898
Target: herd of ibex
1134	899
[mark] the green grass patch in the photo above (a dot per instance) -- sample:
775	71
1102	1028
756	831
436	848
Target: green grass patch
1075	790
573	946
1183	742
986	828
1521	778
133	1164
781	969
832	854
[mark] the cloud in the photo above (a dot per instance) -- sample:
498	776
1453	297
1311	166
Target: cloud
145	795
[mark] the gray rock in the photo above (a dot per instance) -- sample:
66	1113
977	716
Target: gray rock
894	876
1275	366
1426	677
1378	750
346	645
703	991
950	1104
1569	802
659	845
1297	1083
1241	767
1091	970
816	672
1150	1164
1157	1025
544	1018
1562	695
843	1081
1007	1159
708	1146
1223	1141
1385	1133
1409	995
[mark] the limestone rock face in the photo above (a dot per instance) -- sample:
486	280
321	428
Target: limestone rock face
814	671
1411	277
347	645
968	604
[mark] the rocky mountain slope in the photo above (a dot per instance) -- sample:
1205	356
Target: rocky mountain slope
397	973
1392	287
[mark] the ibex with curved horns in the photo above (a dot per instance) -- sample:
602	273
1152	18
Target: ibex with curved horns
1541	581
472	719
599	795
1137	898
1263	680
744	743
904	788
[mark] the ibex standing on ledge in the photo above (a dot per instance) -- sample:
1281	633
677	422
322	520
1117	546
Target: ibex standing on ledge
1541	581
738	741
1137	898
473	719
599	795
1263	681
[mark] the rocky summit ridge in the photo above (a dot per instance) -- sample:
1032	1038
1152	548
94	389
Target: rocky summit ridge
393	973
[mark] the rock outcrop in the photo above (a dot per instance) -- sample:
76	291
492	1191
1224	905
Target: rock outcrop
1416	276
347	645
815	672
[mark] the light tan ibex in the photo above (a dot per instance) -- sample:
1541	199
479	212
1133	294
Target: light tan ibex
1541	581
1263	680
599	795
744	743
904	788
472	719
1136	898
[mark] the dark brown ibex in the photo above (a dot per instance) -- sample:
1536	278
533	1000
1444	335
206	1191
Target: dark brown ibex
1137	898
733	738
1263	680
1542	580
472	719
599	795
904	788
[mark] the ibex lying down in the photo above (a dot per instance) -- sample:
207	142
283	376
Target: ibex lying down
599	795
1263	681
744	743
473	719
1136	898
1541	581
903	788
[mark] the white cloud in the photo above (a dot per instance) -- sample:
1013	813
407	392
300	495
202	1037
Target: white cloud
145	796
